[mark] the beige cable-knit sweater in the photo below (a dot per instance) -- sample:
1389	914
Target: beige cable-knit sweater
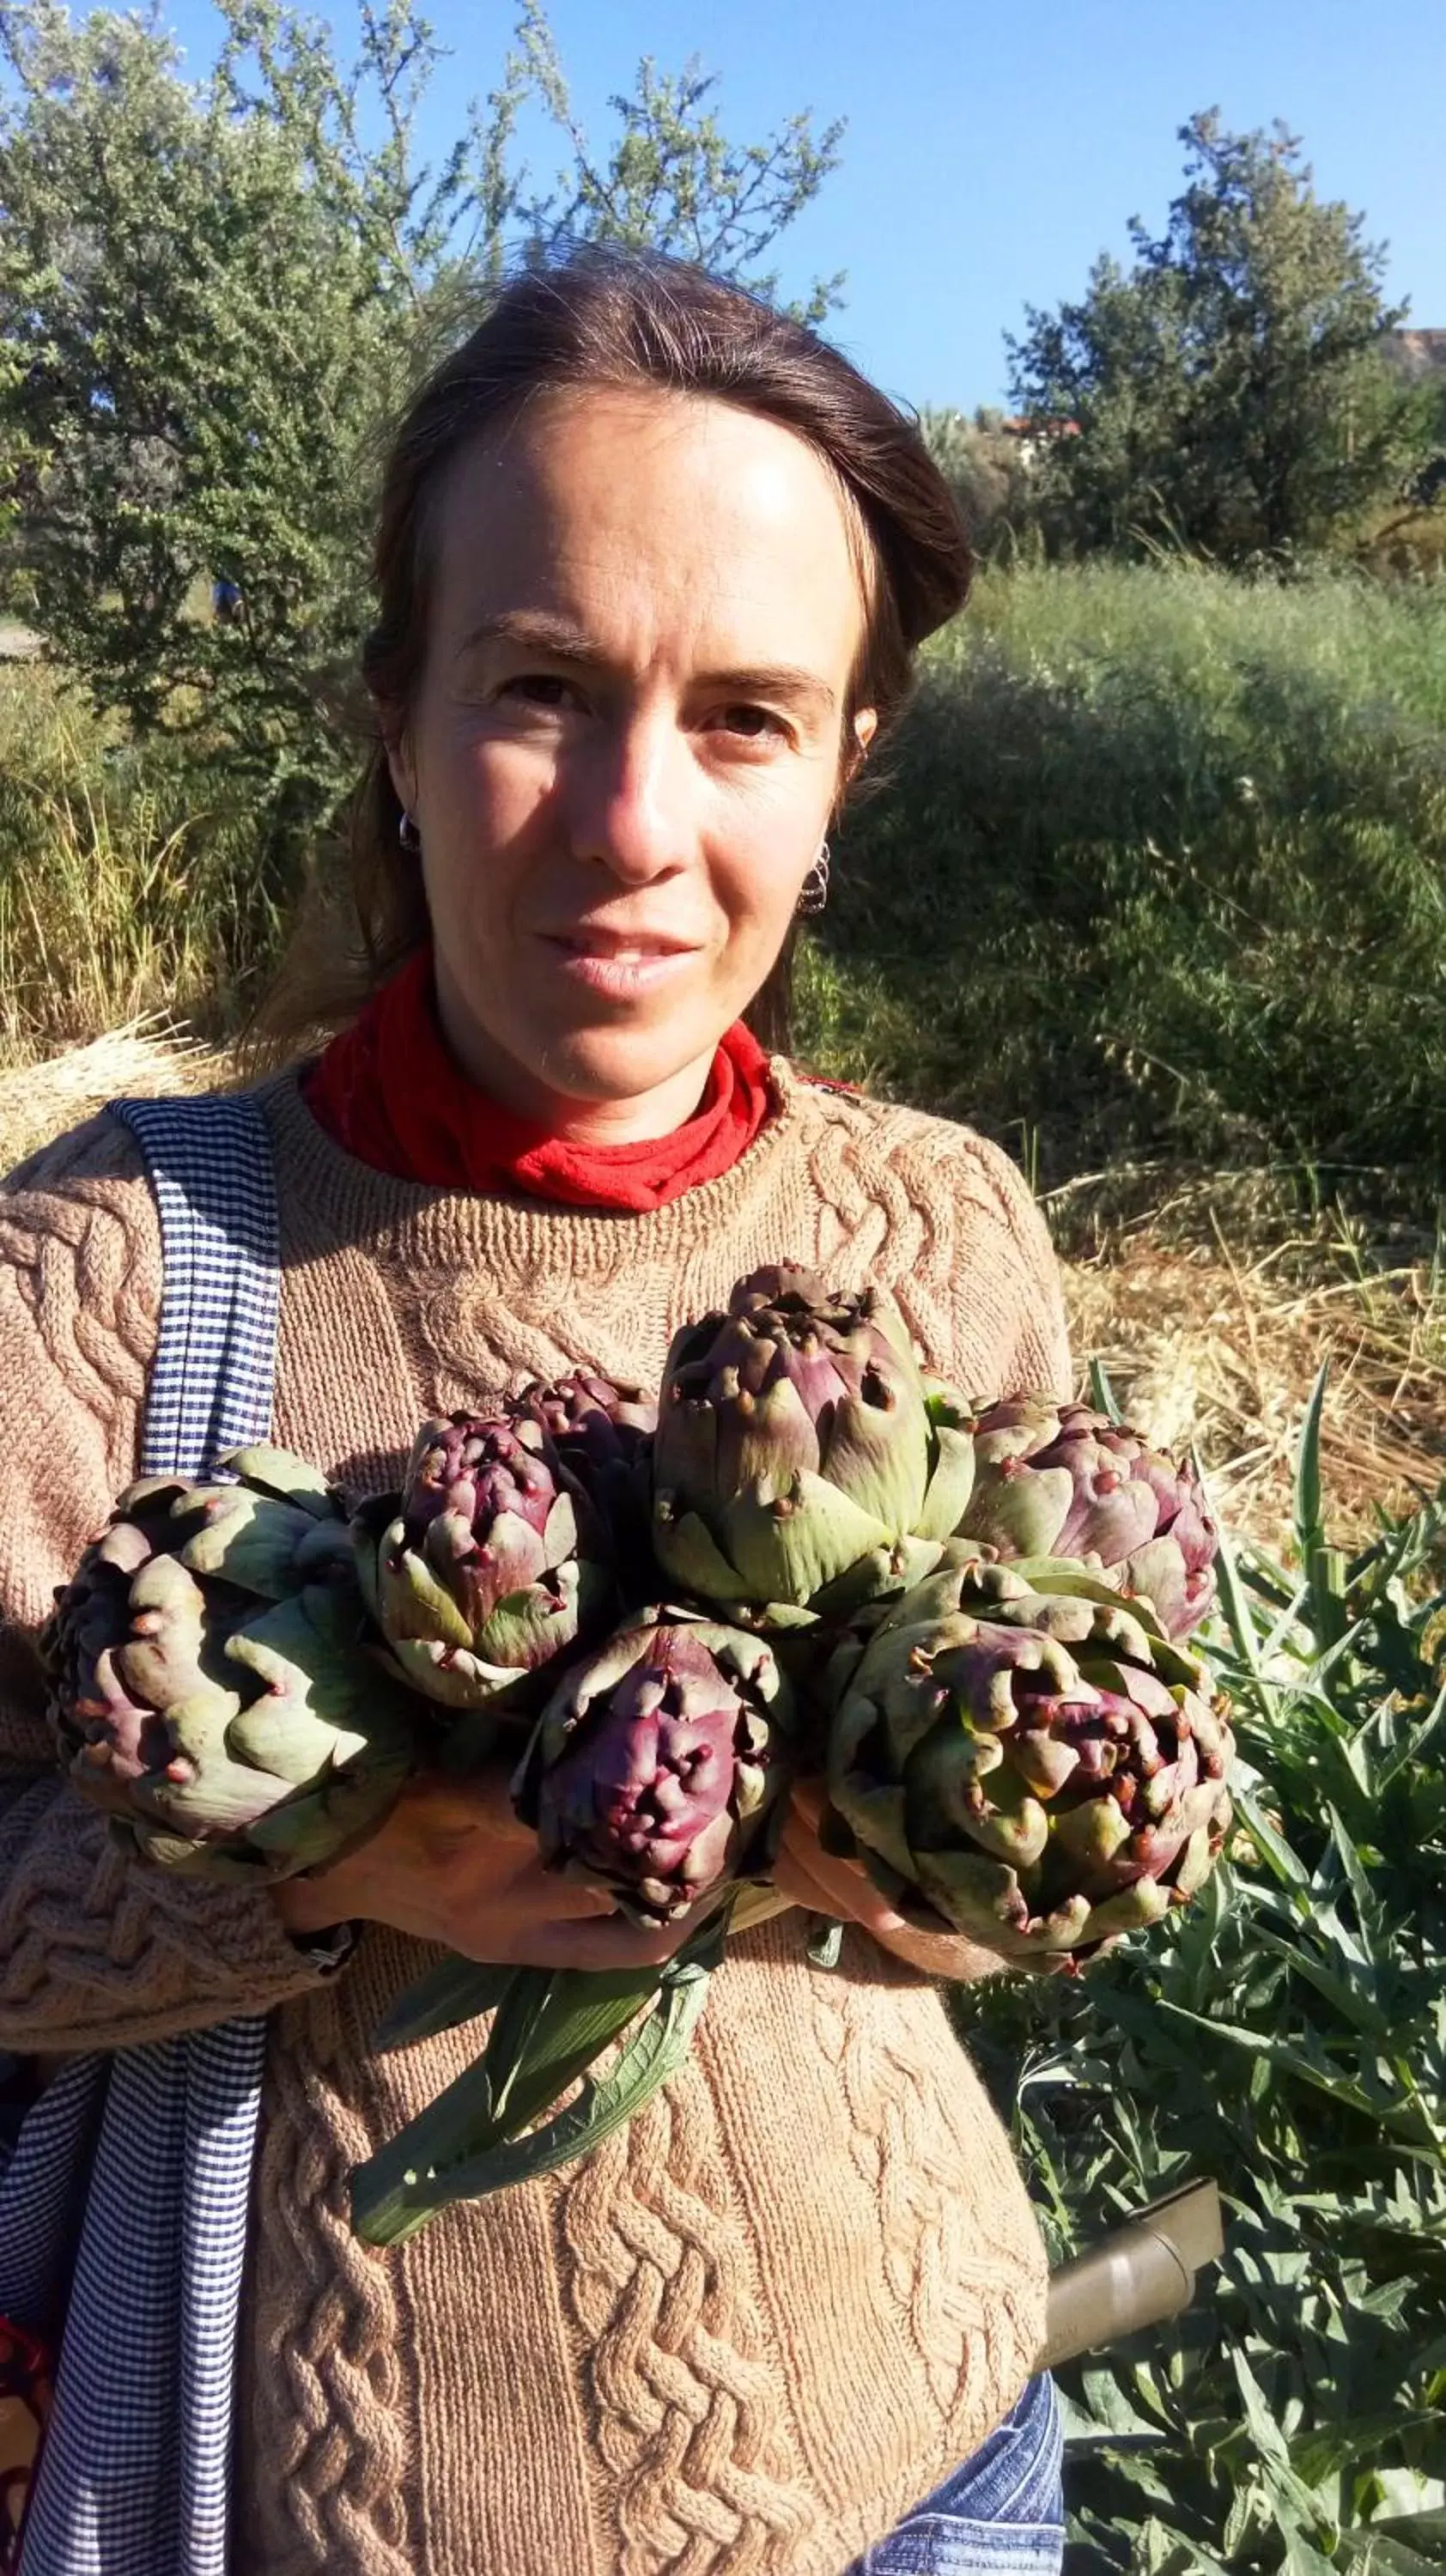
743	2338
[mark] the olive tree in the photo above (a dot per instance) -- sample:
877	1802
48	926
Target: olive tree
1228	388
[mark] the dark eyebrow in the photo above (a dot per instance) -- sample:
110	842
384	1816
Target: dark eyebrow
539	631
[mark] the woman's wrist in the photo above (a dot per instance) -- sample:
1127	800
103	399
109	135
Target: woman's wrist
311	1906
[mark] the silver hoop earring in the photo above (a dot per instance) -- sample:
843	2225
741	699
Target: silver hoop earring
815	887
409	836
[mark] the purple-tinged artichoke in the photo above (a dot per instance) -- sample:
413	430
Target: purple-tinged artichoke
660	1765
1058	1480
212	1683
602	1430
1037	1764
488	1564
801	1465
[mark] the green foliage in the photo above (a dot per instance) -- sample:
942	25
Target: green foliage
1228	388
1162	866
213	294
1288	2038
986	471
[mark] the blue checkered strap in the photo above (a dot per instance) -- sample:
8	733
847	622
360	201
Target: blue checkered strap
135	2474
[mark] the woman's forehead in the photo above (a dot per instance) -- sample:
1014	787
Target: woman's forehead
631	505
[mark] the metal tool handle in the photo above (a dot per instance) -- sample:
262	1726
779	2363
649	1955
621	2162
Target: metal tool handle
1137	2276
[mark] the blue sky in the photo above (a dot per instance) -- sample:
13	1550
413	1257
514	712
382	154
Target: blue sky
992	151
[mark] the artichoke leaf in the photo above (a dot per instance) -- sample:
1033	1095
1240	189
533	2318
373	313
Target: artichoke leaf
788	1546
951	1479
290	1479
1021	1514
456	1990
252	1541
412	1601
687	1550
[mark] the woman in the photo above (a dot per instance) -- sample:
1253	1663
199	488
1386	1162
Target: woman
652	564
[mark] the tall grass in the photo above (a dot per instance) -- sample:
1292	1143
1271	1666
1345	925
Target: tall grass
1164	861
128	881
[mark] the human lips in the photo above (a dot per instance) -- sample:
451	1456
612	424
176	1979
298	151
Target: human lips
619	962
603	939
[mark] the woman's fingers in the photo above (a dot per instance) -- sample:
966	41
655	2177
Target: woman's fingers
828	1885
612	1945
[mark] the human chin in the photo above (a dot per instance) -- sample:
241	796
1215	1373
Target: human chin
625	1063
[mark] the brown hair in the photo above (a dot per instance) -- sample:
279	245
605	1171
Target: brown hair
604	317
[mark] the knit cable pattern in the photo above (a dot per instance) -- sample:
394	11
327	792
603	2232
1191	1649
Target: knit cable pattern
329	2406
973	2320
689	2413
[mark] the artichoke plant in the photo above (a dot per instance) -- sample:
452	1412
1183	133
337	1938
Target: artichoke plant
211	1680
801	1465
658	1767
1059	1480
1037	1763
487	1564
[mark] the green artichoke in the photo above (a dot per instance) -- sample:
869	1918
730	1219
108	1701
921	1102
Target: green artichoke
801	1465
659	1765
488	1563
1035	1762
1058	1480
211	1680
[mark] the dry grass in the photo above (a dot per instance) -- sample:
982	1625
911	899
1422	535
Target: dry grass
1211	1325
39	1100
1212	1336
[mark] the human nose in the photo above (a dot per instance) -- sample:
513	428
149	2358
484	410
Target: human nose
630	809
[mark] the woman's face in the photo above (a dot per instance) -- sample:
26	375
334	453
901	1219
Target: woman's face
626	742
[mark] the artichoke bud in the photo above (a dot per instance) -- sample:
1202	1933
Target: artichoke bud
1040	1769
1063	1481
799	1452
211	1681
659	1766
489	1562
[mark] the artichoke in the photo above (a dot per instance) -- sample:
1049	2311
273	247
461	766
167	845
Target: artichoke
486	1565
1036	1762
602	1431
801	1465
211	1681
658	1766
1058	1480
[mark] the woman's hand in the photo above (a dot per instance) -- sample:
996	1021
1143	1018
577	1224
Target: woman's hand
823	1884
453	1864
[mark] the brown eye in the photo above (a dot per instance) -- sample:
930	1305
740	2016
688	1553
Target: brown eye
539	689
755	724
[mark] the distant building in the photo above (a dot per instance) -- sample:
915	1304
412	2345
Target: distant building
1031	437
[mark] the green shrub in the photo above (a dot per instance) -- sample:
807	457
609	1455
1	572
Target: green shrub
1163	862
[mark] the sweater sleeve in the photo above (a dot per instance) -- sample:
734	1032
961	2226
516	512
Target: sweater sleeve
97	1950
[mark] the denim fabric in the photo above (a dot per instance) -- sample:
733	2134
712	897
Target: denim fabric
1001	2514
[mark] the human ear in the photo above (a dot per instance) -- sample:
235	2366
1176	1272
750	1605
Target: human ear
403	771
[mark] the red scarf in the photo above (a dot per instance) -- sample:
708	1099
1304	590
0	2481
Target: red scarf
389	1091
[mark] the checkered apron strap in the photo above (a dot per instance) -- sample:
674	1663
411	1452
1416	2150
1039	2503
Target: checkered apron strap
134	2476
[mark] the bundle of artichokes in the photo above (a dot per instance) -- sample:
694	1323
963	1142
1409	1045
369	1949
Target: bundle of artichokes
807	1555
